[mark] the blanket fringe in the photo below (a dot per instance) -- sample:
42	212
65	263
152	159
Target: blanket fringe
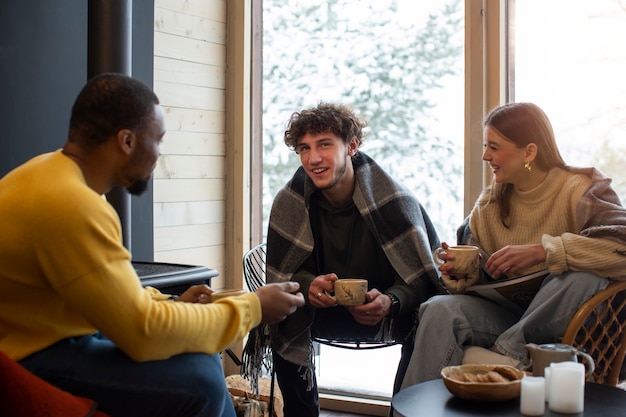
310	369
256	357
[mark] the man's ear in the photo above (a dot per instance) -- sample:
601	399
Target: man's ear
353	146
126	140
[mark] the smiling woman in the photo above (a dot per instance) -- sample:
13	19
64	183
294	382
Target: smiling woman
512	156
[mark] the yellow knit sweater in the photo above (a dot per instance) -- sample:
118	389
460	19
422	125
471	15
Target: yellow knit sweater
64	272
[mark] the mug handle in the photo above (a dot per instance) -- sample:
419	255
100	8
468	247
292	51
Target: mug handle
589	363
436	257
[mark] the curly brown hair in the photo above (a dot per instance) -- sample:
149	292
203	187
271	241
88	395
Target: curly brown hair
339	119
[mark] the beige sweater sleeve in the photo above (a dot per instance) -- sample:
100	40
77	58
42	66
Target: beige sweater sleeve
570	251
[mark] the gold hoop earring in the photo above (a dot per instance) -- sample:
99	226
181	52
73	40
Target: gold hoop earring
528	167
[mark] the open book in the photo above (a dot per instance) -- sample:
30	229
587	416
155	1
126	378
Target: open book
519	290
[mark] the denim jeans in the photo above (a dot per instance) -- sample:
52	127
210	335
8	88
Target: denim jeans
450	322
186	385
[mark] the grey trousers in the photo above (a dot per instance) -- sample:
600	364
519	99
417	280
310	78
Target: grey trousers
450	322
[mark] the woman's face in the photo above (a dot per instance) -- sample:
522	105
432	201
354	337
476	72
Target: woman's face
505	158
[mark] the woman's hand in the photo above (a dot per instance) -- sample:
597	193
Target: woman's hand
447	268
513	258
319	289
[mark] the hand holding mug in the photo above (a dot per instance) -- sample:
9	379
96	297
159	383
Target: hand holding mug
197	294
278	300
350	291
320	289
461	260
459	266
373	311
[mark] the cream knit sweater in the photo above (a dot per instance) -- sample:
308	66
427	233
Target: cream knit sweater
548	215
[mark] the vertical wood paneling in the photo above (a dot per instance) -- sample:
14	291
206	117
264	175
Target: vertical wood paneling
189	184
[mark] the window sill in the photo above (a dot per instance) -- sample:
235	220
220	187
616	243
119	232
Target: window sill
348	404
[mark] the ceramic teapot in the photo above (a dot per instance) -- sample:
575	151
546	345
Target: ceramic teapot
543	355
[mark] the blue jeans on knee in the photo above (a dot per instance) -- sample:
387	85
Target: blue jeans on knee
185	385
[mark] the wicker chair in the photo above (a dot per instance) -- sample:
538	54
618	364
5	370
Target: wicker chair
598	329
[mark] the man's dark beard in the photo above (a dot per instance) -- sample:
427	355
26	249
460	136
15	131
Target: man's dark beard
138	187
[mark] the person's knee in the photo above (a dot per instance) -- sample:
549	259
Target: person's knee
436	306
206	383
577	284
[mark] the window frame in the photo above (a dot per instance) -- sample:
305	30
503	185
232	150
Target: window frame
486	86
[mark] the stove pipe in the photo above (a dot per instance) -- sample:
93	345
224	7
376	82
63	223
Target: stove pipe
109	49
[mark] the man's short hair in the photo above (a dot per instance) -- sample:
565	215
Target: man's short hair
109	103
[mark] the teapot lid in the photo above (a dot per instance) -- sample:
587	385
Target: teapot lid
558	347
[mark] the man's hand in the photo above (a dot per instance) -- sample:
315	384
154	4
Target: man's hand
279	300
196	294
376	307
319	289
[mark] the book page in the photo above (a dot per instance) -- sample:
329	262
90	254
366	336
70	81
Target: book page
520	290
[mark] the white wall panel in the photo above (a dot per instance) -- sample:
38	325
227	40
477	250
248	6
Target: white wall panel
189	181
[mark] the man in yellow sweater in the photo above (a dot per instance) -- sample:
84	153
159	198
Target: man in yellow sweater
72	309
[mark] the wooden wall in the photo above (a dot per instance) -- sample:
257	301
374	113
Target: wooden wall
189	182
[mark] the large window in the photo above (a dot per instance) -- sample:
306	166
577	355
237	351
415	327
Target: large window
400	64
570	59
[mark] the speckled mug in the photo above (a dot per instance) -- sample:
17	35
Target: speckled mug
466	258
350	291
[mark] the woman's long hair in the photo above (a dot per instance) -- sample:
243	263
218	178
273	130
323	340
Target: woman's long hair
521	123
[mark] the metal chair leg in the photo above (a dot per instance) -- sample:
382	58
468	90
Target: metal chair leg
271	407
234	357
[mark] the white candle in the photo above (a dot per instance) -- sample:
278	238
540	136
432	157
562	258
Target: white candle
546	375
532	401
567	387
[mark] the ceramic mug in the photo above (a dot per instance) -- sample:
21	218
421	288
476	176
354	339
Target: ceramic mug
466	258
219	294
350	291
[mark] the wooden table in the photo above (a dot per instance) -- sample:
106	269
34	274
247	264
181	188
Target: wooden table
432	399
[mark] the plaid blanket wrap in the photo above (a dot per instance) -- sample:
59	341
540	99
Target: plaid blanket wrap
394	216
